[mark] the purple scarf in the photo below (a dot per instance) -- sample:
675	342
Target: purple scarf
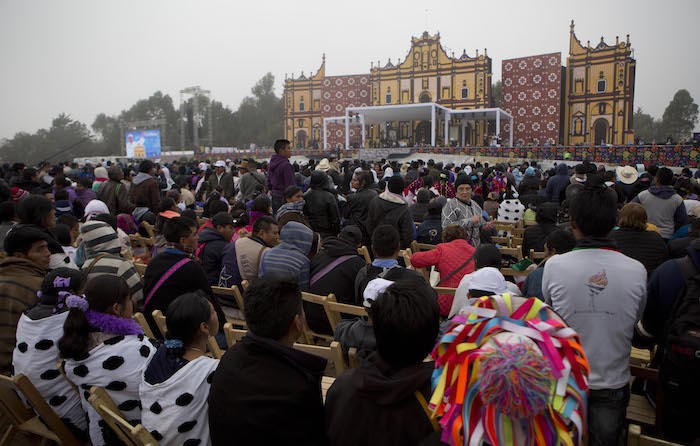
111	324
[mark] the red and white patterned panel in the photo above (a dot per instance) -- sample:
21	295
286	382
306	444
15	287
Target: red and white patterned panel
532	94
337	93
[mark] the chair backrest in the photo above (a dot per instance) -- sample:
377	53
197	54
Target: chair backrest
527	223
214	348
405	254
516	242
149	229
352	357
364	252
244	285
232	335
503	241
420	247
108	411
445	290
140	268
141	319
159	318
333	354
536	255
201	221
518	232
309	334
513	252
635	438
22	419
335	310
237	297
511	272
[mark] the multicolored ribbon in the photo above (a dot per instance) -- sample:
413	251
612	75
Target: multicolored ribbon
510	393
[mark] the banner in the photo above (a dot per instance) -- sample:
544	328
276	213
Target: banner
143	144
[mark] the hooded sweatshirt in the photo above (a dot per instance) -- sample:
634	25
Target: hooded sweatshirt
391	209
210	252
321	207
664	207
375	403
290	257
280	174
558	183
146	185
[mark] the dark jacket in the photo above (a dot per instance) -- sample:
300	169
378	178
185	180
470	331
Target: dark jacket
386	209
210	251
646	246
226	183
418	211
558	183
356	210
375	404
146	186
430	231
676	248
321	207
115	195
189	278
371	272
264	393
534	237
664	287
355	333
339	281
280	174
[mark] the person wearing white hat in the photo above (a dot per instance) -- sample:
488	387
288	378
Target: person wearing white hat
626	177
222	178
324	165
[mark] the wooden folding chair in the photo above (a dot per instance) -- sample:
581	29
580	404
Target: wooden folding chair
232	335
131	435
364	252
445	290
352	357
335	310
405	254
23	419
244	285
140	268
149	230
141	319
333	354
420	247
536	255
512	273
315	299
527	223
636	438
159	319
503	241
516	242
513	252
518	232
233	315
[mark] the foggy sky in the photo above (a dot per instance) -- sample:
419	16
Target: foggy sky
88	57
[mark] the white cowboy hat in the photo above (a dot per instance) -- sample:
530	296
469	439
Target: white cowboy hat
626	174
324	165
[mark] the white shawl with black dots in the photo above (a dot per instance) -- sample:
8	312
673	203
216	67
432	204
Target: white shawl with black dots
176	411
36	356
117	365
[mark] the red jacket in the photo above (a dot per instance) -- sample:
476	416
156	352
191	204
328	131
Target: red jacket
447	257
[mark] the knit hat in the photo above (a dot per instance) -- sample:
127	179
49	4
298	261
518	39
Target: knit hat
99	237
18	194
101	173
488	279
395	185
509	371
222	219
63	207
374	288
462	179
352	234
530	171
424	195
94	208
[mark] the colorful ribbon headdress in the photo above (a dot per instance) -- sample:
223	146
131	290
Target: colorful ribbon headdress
510	374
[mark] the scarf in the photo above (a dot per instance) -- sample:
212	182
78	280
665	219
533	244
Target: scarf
189	252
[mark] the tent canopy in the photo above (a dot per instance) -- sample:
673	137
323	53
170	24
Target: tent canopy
402	112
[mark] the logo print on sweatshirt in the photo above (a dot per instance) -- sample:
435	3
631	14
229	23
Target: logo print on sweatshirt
596	284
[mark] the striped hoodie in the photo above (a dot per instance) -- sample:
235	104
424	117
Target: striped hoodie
290	257
99	238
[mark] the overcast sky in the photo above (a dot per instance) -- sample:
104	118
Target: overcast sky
87	57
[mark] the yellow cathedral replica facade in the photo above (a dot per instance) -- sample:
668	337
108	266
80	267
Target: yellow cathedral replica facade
595	91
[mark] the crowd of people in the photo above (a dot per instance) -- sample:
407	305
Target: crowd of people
620	267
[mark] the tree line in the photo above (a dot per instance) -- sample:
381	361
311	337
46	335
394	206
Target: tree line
258	120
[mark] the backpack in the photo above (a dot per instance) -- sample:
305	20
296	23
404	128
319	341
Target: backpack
679	369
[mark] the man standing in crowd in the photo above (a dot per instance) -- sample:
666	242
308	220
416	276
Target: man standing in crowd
384	399
264	391
664	206
222	178
145	185
114	194
21	276
251	181
601	293
280	173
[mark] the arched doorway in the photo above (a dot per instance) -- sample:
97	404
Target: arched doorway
301	139
600	132
423	133
425	97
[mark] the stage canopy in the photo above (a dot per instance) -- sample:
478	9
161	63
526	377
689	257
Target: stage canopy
429	111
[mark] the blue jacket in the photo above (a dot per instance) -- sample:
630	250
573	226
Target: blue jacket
558	183
533	284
